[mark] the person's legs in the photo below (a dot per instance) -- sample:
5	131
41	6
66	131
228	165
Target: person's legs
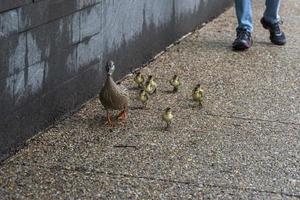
243	10
271	21
271	13
245	25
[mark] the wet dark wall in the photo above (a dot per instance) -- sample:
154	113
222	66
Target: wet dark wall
52	52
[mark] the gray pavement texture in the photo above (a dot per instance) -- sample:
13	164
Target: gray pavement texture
243	144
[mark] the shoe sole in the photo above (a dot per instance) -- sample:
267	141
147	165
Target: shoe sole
278	43
273	41
241	47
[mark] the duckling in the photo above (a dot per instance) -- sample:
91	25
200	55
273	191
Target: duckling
152	81
198	94
150	85
143	97
139	79
167	117
113	96
175	83
197	88
149	88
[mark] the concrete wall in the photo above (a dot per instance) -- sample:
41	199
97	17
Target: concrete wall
52	52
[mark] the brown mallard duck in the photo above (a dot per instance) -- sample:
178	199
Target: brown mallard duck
113	96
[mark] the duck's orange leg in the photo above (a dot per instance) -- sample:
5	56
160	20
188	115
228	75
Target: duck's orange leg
109	121
123	115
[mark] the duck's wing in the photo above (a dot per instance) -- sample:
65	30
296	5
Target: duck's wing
123	89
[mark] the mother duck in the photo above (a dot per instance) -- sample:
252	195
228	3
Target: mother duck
113	96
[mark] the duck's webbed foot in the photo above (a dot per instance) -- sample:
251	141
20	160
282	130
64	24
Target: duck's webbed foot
109	120
122	116
168	127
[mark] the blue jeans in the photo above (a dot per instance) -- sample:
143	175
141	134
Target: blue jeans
244	13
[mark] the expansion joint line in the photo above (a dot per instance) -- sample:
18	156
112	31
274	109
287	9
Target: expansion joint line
252	119
190	183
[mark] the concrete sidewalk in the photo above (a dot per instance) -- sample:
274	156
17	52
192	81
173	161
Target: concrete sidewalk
243	144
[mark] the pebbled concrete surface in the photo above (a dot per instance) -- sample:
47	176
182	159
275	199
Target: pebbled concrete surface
243	144
53	52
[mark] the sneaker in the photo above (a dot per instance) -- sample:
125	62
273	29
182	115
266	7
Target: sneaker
276	35
243	40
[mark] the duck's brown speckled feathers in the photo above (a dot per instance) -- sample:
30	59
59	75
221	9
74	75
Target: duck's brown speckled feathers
112	96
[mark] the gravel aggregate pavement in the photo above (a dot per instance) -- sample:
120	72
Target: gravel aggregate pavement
244	143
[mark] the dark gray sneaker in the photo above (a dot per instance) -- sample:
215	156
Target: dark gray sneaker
243	40
276	35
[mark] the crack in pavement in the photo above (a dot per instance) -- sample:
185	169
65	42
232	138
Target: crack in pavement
252	119
85	170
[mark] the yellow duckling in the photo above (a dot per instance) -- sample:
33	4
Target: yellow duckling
175	83
151	81
139	79
150	88
197	88
167	117
198	94
143	97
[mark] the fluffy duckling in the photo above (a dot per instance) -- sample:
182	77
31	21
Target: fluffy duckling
198	94
151	80
167	117
175	83
139	79
143	97
197	88
150	88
